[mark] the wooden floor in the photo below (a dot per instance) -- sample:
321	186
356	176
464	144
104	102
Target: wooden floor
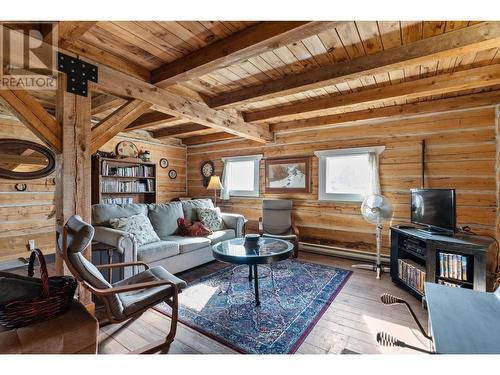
351	322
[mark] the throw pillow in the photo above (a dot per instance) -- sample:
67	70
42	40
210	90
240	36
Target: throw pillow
138	225
192	228
211	218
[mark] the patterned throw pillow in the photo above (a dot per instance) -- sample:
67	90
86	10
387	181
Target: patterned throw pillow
192	228
138	225
211	218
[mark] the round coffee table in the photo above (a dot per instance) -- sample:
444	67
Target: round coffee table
264	251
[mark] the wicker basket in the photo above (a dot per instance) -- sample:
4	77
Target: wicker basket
53	301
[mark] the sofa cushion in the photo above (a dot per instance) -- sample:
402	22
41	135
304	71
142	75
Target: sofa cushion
138	225
155	251
187	244
103	213
221	235
211	218
164	217
189	207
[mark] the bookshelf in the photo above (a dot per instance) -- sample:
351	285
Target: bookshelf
457	261
121	181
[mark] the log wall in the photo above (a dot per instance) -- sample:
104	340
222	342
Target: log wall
460	153
30	214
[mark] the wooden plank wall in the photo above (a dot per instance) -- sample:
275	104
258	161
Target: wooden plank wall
29	215
460	153
166	188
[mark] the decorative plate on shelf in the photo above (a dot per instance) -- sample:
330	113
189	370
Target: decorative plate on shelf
127	149
172	174
163	163
207	170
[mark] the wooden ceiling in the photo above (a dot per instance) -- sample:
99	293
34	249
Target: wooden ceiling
277	74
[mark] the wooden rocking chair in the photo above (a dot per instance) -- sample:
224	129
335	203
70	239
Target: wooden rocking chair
128	298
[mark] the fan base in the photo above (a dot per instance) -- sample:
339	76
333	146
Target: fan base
378	268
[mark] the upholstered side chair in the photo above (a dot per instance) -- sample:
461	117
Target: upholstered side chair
128	298
276	222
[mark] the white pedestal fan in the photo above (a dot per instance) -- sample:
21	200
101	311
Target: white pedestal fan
375	209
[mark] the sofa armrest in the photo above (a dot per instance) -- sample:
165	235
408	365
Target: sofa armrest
125	243
234	221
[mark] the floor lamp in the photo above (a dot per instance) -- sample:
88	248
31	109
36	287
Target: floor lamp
214	184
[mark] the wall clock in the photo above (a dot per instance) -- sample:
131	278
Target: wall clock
127	149
163	163
172	174
207	170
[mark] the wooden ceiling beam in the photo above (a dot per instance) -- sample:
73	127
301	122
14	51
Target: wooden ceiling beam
209	138
103	103
252	41
479	37
116	122
175	131
392	112
440	84
31	113
148	120
117	83
71	31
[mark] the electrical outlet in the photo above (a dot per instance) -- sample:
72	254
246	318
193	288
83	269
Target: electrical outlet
31	245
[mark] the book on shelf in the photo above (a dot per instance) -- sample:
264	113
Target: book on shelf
453	266
114	186
412	274
130	171
126	200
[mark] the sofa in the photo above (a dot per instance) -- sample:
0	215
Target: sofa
174	252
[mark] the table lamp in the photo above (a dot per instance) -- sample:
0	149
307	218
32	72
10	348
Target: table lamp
214	184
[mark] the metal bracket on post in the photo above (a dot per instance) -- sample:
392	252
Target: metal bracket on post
79	72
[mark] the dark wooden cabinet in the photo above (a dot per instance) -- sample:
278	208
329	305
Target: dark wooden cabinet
120	181
424	249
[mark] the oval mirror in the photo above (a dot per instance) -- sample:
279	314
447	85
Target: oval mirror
24	160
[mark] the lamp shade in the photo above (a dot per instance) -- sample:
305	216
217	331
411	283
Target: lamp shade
214	183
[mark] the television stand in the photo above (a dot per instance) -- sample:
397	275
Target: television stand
435	232
418	256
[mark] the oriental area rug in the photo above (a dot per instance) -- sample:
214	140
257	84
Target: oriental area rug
293	294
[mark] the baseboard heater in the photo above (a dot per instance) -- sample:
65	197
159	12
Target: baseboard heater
341	252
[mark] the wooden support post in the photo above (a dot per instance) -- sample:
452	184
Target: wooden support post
73	182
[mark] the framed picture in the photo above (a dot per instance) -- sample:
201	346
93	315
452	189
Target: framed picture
291	175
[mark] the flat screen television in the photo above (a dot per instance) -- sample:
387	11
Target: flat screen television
434	209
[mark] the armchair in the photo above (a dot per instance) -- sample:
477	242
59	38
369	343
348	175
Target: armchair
276	222
128	298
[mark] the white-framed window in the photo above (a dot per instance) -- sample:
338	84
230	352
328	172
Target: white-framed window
240	177
348	175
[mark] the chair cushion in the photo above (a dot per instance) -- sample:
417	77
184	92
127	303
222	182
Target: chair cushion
138	225
136	300
189	207
286	237
80	235
277	204
187	244
155	251
103	213
88	272
164	217
211	218
221	235
276	216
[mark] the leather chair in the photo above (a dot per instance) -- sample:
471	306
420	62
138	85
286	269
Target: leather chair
128	298
276	222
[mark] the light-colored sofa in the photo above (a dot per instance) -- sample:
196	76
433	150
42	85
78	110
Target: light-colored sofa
174	252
